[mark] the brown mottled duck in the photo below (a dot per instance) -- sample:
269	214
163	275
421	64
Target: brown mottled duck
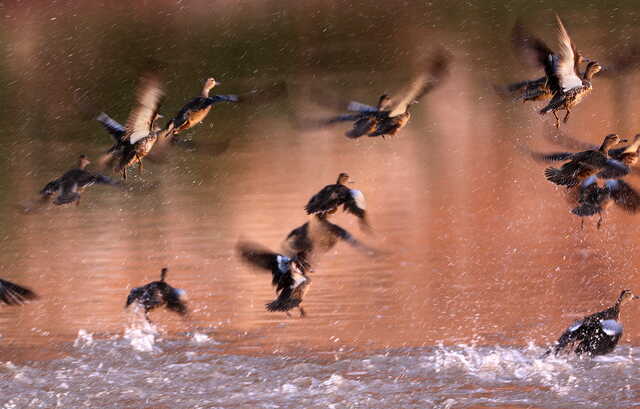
72	183
581	165
392	114
140	134
197	109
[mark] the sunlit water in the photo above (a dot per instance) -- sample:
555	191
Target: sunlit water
481	264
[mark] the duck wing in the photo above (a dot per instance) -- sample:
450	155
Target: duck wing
568	337
566	65
51	187
423	83
529	48
148	98
551	157
613	169
623	195
13	294
327	199
344	235
115	129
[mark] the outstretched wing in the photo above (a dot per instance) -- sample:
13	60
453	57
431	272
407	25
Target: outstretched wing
529	48
13	294
423	83
148	98
623	195
115	129
566	68
571	335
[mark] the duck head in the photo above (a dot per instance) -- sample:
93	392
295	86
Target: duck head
343	179
610	140
83	161
592	69
626	296
208	86
384	102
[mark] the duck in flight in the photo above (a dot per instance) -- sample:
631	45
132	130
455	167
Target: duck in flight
564	80
158	294
331	197
595	334
72	183
594	199
135	140
535	52
197	109
392	114
582	165
288	275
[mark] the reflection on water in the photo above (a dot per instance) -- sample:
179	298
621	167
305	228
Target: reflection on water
479	249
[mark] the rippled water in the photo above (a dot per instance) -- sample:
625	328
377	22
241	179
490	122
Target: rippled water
481	264
143	368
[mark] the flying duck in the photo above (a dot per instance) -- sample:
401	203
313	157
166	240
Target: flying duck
594	199
535	52
595	334
567	86
13	294
135	140
581	165
72	183
288	275
391	115
327	200
158	294
196	110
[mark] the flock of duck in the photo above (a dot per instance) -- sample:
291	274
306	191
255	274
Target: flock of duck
563	86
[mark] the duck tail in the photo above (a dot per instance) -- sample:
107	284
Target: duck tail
559	177
586	209
284	305
163	273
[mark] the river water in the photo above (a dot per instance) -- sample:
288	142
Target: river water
480	266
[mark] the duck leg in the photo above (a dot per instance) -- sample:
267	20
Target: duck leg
124	173
139	163
566	117
582	223
557	119
600	221
302	313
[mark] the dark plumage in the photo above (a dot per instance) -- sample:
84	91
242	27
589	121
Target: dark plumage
158	294
135	140
318	236
196	110
581	165
594	199
595	334
13	294
327	200
391	115
288	275
72	183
